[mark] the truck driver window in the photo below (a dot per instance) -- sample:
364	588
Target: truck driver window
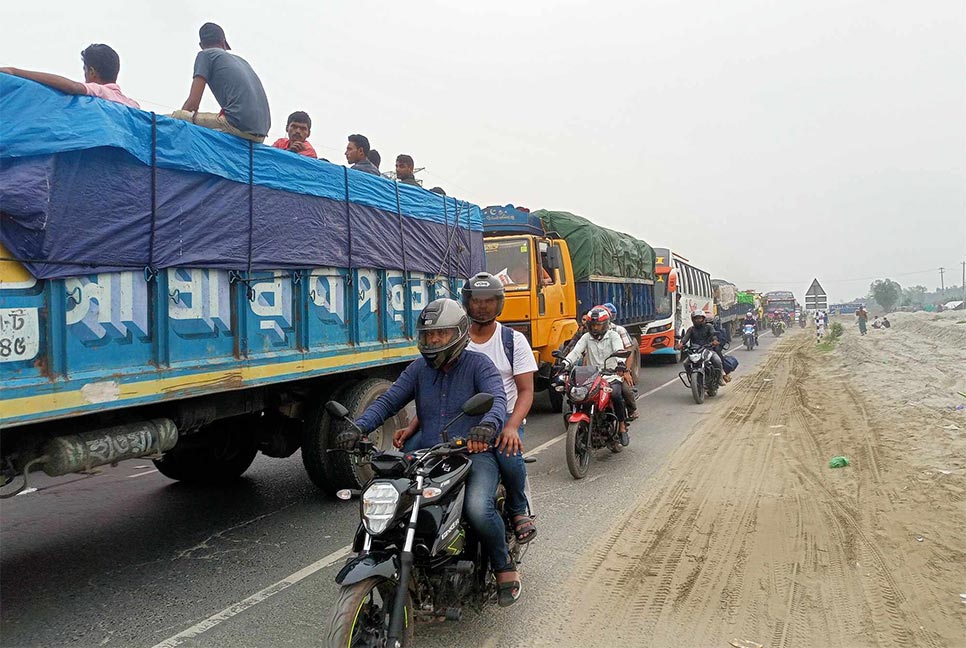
509	261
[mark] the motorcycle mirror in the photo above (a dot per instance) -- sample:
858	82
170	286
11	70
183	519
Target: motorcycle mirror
478	404
336	410
556	353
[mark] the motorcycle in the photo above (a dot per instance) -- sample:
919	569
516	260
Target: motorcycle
417	557
750	335
777	328
700	374
591	424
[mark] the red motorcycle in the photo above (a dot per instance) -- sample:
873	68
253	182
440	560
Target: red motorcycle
591	424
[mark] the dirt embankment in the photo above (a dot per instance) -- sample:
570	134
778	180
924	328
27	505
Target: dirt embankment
748	535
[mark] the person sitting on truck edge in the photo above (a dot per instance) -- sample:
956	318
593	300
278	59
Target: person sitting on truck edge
701	333
298	128
238	90
440	382
405	169
600	342
483	298
101	66
627	391
357	154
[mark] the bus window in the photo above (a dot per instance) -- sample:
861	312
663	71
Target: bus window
509	261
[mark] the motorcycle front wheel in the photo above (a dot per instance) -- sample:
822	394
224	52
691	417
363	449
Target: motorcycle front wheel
578	449
361	615
697	387
750	343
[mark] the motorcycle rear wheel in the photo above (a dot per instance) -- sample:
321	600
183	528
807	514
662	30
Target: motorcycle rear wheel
361	615
578	449
697	387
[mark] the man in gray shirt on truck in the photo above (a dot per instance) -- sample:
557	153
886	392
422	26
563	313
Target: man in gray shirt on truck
238	90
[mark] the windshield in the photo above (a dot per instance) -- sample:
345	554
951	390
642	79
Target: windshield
509	261
662	298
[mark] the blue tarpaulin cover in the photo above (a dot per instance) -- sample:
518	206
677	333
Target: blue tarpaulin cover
88	185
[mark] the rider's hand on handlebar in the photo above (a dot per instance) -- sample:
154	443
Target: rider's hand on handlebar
509	442
479	438
347	440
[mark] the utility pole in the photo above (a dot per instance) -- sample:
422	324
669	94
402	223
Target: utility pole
963	263
942	284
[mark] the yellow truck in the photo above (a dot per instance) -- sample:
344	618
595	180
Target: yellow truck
556	266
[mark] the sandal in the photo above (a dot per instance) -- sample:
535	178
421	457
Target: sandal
524	529
508	592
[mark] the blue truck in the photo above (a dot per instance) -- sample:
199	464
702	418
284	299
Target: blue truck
180	294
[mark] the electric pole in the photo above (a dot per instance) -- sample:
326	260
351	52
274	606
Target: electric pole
942	284
963	263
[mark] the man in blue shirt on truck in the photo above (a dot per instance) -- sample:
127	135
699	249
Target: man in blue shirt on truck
440	382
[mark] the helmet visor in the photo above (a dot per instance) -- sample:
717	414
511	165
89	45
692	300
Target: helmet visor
484	308
597	328
437	339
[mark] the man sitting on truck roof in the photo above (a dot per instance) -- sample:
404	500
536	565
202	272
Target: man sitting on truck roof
298	128
405	169
357	154
101	66
244	106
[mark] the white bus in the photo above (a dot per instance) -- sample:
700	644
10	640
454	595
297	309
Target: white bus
679	289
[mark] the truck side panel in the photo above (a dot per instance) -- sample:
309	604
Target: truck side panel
112	340
634	299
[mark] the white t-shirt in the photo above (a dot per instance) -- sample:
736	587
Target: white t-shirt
523	360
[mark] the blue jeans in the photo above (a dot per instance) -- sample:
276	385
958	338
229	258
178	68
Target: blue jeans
480	507
514	473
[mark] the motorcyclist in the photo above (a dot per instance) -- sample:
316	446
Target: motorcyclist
627	390
702	333
750	320
600	342
440	381
483	297
723	338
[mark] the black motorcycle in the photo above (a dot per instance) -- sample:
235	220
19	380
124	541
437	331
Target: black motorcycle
417	557
700	374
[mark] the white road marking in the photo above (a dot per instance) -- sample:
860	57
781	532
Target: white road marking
305	572
148	472
254	599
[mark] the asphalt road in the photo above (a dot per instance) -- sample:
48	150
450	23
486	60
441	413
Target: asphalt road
129	558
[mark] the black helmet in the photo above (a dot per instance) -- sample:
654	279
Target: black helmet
442	316
598	322
483	286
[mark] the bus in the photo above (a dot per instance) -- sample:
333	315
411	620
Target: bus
680	288
780	302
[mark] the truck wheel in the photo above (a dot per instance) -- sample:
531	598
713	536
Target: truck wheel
316	442
344	473
229	449
634	361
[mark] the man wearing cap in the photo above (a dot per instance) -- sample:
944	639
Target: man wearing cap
238	90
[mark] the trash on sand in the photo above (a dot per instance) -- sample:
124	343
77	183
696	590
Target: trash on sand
963	394
775	427
746	643
946	472
838	462
27	491
951	426
766	380
776	434
962	597
919	538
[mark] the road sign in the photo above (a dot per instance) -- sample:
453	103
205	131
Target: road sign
815	297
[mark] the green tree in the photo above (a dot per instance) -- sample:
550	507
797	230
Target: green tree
886	293
914	297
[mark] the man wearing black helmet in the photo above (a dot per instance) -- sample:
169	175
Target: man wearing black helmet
702	333
440	382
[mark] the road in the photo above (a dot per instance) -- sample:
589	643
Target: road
129	558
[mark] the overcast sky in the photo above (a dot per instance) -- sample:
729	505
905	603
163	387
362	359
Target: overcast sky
768	141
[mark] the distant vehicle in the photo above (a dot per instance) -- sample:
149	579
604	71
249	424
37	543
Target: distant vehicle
777	301
680	289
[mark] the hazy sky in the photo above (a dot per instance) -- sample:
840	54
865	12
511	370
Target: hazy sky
768	141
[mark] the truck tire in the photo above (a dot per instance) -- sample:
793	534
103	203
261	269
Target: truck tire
345	473
230	448
316	442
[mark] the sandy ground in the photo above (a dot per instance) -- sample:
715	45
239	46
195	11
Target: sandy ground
747	537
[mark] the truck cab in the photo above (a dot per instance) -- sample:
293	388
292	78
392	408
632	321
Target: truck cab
536	271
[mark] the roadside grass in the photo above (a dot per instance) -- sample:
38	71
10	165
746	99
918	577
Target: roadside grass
834	334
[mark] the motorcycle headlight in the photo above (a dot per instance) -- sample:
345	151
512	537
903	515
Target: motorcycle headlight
579	393
379	506
695	357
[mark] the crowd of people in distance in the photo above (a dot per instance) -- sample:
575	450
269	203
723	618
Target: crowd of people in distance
237	89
